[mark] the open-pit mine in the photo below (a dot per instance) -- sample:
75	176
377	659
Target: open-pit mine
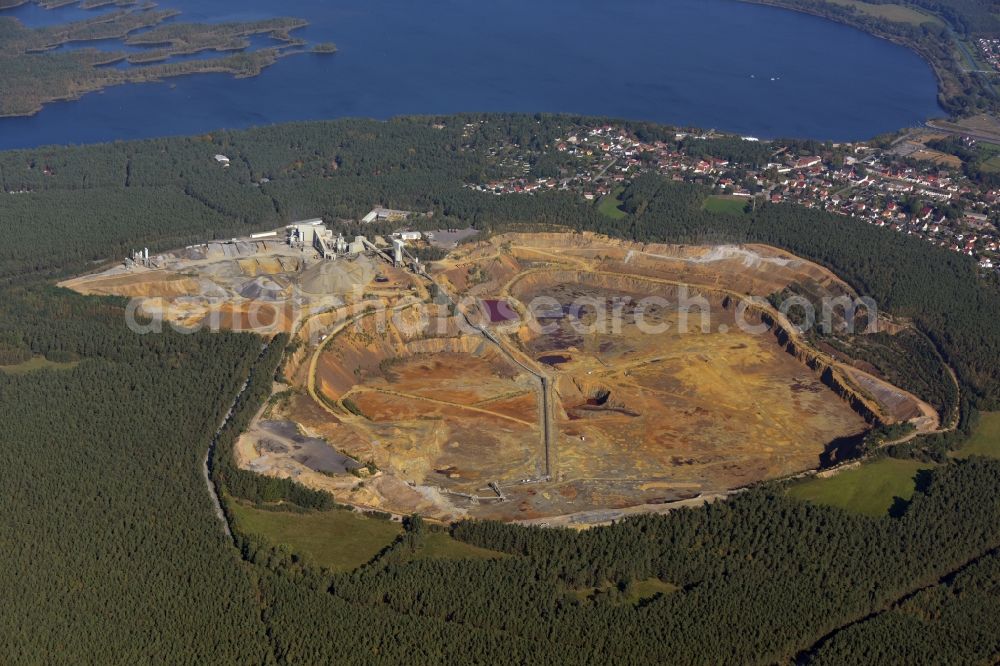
529	376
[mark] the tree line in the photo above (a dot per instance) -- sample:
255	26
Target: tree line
113	554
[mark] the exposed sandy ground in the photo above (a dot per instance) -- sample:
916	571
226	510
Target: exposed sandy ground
448	411
263	286
638	420
595	518
679	415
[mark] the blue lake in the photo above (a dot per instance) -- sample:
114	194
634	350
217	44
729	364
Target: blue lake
709	63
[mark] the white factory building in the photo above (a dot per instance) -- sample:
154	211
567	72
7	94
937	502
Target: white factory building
314	233
305	231
385	215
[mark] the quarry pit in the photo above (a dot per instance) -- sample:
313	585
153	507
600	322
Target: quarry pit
530	376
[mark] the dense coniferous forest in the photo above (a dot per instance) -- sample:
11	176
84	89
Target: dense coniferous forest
951	622
109	547
113	554
907	360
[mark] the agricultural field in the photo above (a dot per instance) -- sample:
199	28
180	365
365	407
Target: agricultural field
989	150
339	540
937	157
441	546
342	540
988	155
871	489
983	125
986	440
992	165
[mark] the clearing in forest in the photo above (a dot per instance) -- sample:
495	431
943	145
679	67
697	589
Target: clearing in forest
872	489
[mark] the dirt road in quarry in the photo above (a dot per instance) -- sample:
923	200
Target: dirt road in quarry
545	422
926	422
210	453
330	337
410	396
616	473
516	356
630	425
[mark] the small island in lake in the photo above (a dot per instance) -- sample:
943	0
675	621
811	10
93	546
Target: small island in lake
34	70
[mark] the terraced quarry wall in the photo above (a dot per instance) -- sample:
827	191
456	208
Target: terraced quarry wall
553	374
639	418
448	410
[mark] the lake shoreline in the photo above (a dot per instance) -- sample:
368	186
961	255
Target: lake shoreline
70	74
946	83
212	68
393	62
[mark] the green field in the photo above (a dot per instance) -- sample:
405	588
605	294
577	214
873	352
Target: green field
992	165
986	440
35	364
989	153
890	12
343	540
609	205
725	204
870	489
440	545
338	540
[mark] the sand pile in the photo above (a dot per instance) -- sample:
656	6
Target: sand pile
262	289
222	269
337	277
